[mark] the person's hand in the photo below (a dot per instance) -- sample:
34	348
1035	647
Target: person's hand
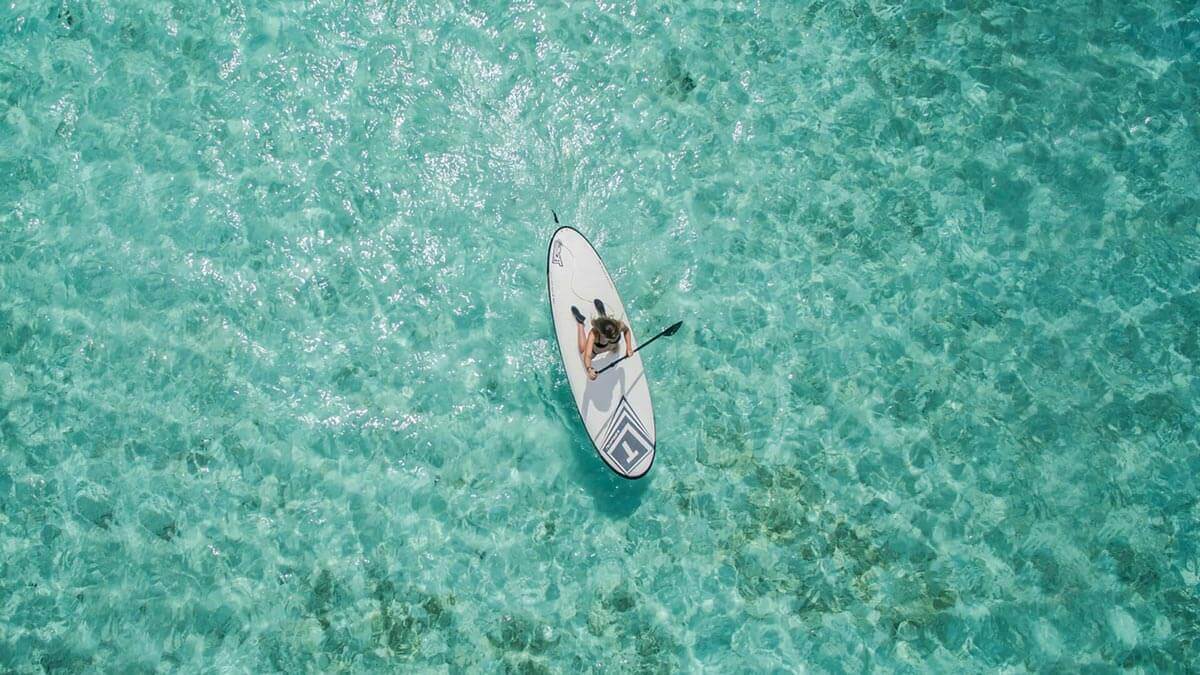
628	352
591	373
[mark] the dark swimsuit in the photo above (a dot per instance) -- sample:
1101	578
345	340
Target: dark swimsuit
598	346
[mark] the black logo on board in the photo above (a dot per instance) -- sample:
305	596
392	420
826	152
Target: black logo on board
626	442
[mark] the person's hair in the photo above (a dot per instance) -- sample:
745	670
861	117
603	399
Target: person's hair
609	328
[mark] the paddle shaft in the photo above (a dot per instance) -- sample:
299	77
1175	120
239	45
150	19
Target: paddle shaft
668	332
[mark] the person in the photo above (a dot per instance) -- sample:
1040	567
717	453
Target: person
605	336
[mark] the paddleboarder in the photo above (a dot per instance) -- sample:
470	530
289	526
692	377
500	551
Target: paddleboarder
605	336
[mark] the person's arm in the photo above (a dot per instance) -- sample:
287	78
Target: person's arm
628	341
587	355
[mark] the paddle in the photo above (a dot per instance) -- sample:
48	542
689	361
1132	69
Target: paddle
671	330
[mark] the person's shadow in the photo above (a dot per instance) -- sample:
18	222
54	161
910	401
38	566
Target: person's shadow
599	393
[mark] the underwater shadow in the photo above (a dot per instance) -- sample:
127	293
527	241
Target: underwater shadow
614	496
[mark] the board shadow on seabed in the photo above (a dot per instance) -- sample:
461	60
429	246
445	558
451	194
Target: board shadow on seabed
614	496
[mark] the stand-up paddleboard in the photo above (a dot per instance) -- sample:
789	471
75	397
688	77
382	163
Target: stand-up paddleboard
615	407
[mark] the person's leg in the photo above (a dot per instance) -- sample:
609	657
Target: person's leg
579	328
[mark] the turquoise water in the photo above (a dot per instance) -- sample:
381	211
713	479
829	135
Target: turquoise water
278	389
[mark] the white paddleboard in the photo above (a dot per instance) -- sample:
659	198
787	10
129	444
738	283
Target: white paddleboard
615	407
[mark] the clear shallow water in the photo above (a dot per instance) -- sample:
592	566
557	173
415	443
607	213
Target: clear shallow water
278	390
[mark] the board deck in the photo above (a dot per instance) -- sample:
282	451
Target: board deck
615	408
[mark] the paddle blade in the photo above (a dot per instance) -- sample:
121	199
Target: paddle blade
672	329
